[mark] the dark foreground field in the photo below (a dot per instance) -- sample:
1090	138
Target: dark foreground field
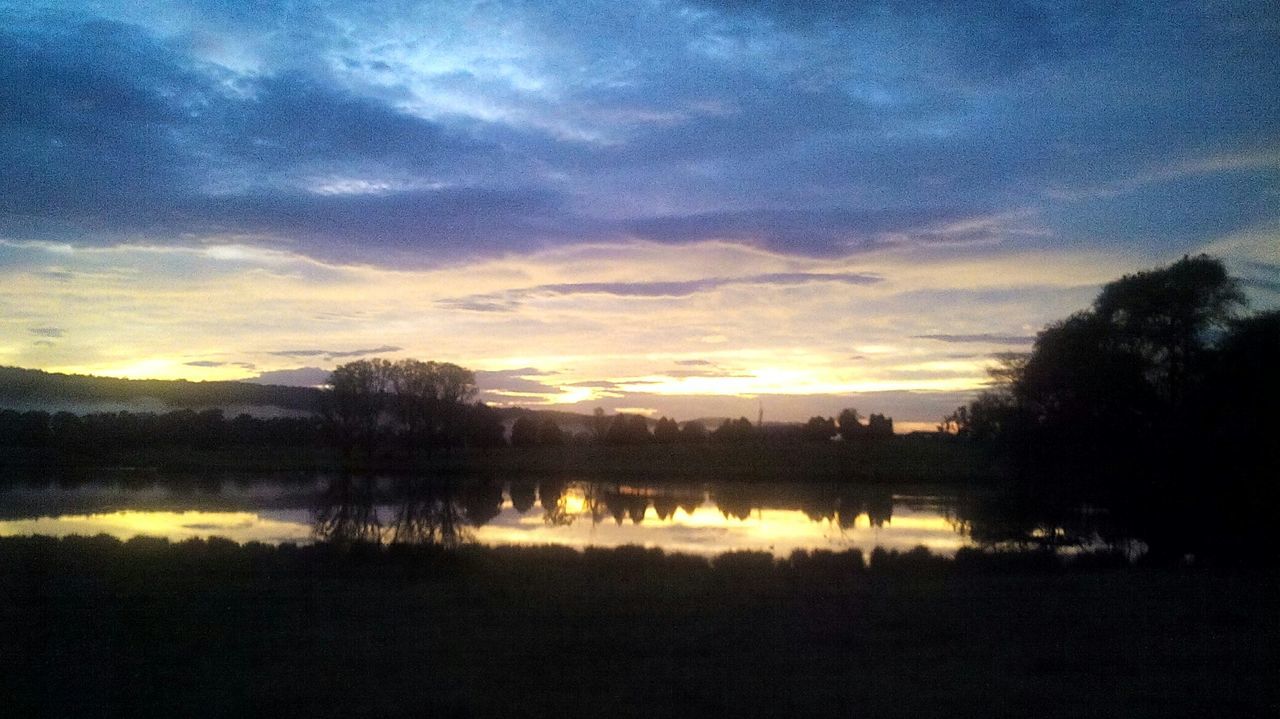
93	627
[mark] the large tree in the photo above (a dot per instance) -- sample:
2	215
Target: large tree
1141	376
357	401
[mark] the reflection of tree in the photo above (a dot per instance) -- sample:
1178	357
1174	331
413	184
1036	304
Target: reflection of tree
738	507
847	511
615	505
818	508
481	501
1023	521
665	506
345	511
522	495
554	510
636	507
593	498
428	513
879	508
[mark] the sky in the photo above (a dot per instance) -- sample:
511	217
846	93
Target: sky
698	208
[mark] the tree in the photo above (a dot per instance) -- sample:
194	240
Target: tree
693	432
734	430
430	399
484	427
549	433
628	429
1141	379
599	425
850	425
666	431
1165	315
524	433
819	429
356	402
879	426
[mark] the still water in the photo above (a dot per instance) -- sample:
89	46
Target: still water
693	518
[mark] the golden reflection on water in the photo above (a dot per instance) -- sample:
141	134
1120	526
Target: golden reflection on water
580	517
176	526
707	530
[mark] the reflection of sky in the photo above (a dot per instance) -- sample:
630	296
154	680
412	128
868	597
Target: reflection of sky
704	531
175	526
709	531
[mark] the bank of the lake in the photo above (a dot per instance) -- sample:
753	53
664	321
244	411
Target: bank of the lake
898	459
94	627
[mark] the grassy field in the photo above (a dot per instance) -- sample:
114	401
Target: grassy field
895	460
93	627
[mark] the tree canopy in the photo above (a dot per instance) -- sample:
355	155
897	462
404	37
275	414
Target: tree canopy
1157	373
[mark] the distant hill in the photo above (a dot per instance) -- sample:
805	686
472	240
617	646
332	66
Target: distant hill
37	389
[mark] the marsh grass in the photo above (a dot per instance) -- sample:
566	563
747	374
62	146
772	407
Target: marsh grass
97	627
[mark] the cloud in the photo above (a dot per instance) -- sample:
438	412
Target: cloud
833	231
335	354
814	129
217	363
300	377
982	337
511	299
46	331
498	382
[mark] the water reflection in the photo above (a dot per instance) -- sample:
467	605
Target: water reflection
429	514
690	517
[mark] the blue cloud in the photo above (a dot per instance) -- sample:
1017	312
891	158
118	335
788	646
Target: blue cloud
511	299
368	133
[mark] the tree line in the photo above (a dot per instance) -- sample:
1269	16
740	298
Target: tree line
382	407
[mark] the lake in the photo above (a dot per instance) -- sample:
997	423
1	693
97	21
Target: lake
698	518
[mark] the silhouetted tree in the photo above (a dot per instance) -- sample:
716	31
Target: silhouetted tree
1143	379
429	401
549	433
666	431
879	426
850	425
693	432
734	430
628	429
819	429
599	425
1164	317
484	427
524	433
357	399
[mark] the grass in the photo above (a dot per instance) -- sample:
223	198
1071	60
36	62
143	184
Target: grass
96	627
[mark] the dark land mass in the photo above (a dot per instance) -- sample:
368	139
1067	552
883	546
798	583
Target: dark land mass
94	627
32	388
910	460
